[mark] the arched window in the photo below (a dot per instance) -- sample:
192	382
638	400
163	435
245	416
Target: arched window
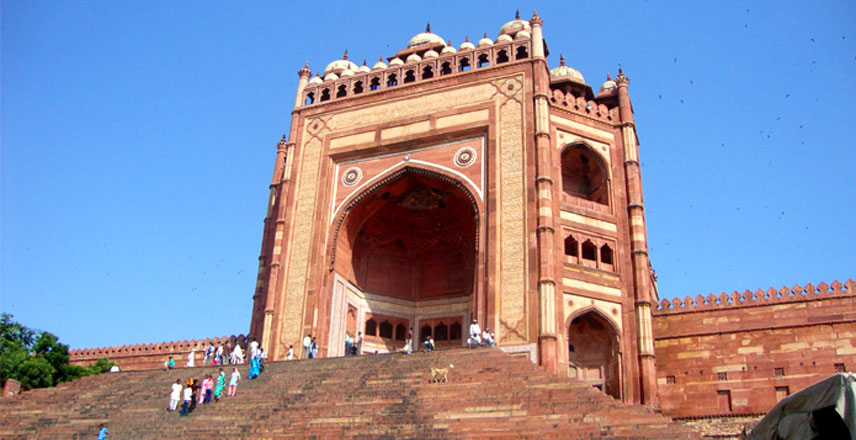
310	98
584	174
572	247
371	327
400	332
391	80
427	72
446	68
409	76
464	65
424	332
589	250
358	87
386	330
455	331
343	91
521	53
441	332
606	254
374	84
502	57
483	61
325	95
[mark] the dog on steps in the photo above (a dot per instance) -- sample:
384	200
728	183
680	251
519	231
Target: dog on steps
440	374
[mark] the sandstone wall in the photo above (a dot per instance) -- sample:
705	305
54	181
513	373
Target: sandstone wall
149	356
741	353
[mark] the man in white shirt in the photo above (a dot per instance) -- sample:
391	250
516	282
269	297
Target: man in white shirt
475	335
175	395
306	342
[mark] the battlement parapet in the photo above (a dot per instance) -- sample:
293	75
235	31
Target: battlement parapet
579	104
760	297
153	349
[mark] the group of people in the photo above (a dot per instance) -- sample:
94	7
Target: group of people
479	338
197	392
353	346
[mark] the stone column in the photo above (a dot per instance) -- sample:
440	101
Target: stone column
547	339
638	245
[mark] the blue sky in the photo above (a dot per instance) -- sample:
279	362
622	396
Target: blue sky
138	141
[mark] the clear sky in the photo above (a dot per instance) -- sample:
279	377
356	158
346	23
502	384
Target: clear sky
138	142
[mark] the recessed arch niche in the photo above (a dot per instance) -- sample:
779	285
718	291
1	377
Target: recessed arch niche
411	236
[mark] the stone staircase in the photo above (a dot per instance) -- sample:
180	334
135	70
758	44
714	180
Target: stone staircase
490	395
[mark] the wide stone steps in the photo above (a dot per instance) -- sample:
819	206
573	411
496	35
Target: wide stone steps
490	394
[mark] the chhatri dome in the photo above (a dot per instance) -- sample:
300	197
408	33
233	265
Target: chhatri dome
425	38
565	72
514	26
340	66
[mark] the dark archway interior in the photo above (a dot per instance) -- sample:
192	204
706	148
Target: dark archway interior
593	351
584	174
412	238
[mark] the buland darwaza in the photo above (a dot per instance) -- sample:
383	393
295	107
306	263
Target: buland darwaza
449	184
444	185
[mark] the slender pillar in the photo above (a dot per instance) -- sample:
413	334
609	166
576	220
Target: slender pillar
304	74
638	245
547	339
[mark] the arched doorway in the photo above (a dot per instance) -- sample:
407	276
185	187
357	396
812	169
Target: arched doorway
593	352
406	251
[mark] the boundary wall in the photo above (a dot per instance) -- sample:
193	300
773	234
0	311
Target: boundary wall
739	354
152	356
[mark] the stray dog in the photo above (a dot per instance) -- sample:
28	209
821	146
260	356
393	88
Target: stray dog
440	374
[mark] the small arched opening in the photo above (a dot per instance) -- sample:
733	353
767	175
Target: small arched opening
483	61
358	87
446	68
584	174
463	65
502	57
310	98
325	95
374	84
521	53
409	76
391	80
427	72
593	352
342	91
572	249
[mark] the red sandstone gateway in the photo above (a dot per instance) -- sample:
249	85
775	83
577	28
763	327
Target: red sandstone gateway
447	184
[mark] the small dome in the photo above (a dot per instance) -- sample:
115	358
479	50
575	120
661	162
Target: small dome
425	38
379	64
316	80
467	44
346	73
485	41
607	85
331	77
396	62
413	58
431	54
339	66
566	72
513	27
449	48
504	39
364	68
522	35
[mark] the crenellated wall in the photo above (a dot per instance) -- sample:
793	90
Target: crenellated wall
741	353
149	356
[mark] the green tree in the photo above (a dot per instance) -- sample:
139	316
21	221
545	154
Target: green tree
38	359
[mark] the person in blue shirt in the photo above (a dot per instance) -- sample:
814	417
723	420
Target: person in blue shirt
102	432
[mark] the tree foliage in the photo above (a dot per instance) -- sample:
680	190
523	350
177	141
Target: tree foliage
36	358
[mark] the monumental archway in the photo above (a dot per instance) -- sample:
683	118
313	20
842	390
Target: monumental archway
406	256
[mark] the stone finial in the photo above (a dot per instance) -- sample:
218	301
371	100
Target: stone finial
517	15
535	20
562	60
609	79
345	56
621	79
467	39
428	27
364	62
304	71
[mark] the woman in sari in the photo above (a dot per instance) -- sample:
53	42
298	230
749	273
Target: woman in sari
254	367
221	383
